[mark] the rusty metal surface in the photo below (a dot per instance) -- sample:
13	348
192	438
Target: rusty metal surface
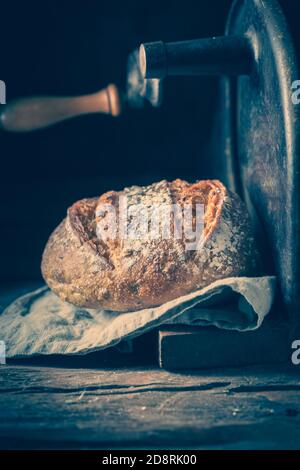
267	139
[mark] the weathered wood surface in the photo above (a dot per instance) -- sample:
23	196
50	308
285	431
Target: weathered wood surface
44	407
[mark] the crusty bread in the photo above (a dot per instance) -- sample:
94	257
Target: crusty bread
130	274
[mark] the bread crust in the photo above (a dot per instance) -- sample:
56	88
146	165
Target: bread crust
123	275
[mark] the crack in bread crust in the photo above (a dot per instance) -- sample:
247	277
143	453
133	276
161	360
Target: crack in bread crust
131	274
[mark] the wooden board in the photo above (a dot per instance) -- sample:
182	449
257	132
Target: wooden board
182	347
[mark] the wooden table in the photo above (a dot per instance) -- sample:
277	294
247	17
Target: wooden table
145	407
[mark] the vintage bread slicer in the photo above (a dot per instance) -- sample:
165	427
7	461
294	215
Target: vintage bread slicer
257	143
256	154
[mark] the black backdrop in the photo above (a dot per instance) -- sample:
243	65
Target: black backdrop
75	47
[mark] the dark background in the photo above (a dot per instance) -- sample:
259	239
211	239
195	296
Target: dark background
77	47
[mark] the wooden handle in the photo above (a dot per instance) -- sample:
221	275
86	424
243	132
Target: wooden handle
28	114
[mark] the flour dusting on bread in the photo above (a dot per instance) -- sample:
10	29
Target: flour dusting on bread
87	266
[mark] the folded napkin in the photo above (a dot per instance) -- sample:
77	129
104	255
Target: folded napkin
40	323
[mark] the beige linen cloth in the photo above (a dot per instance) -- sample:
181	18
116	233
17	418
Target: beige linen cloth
40	323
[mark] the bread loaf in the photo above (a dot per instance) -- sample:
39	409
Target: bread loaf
89	262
